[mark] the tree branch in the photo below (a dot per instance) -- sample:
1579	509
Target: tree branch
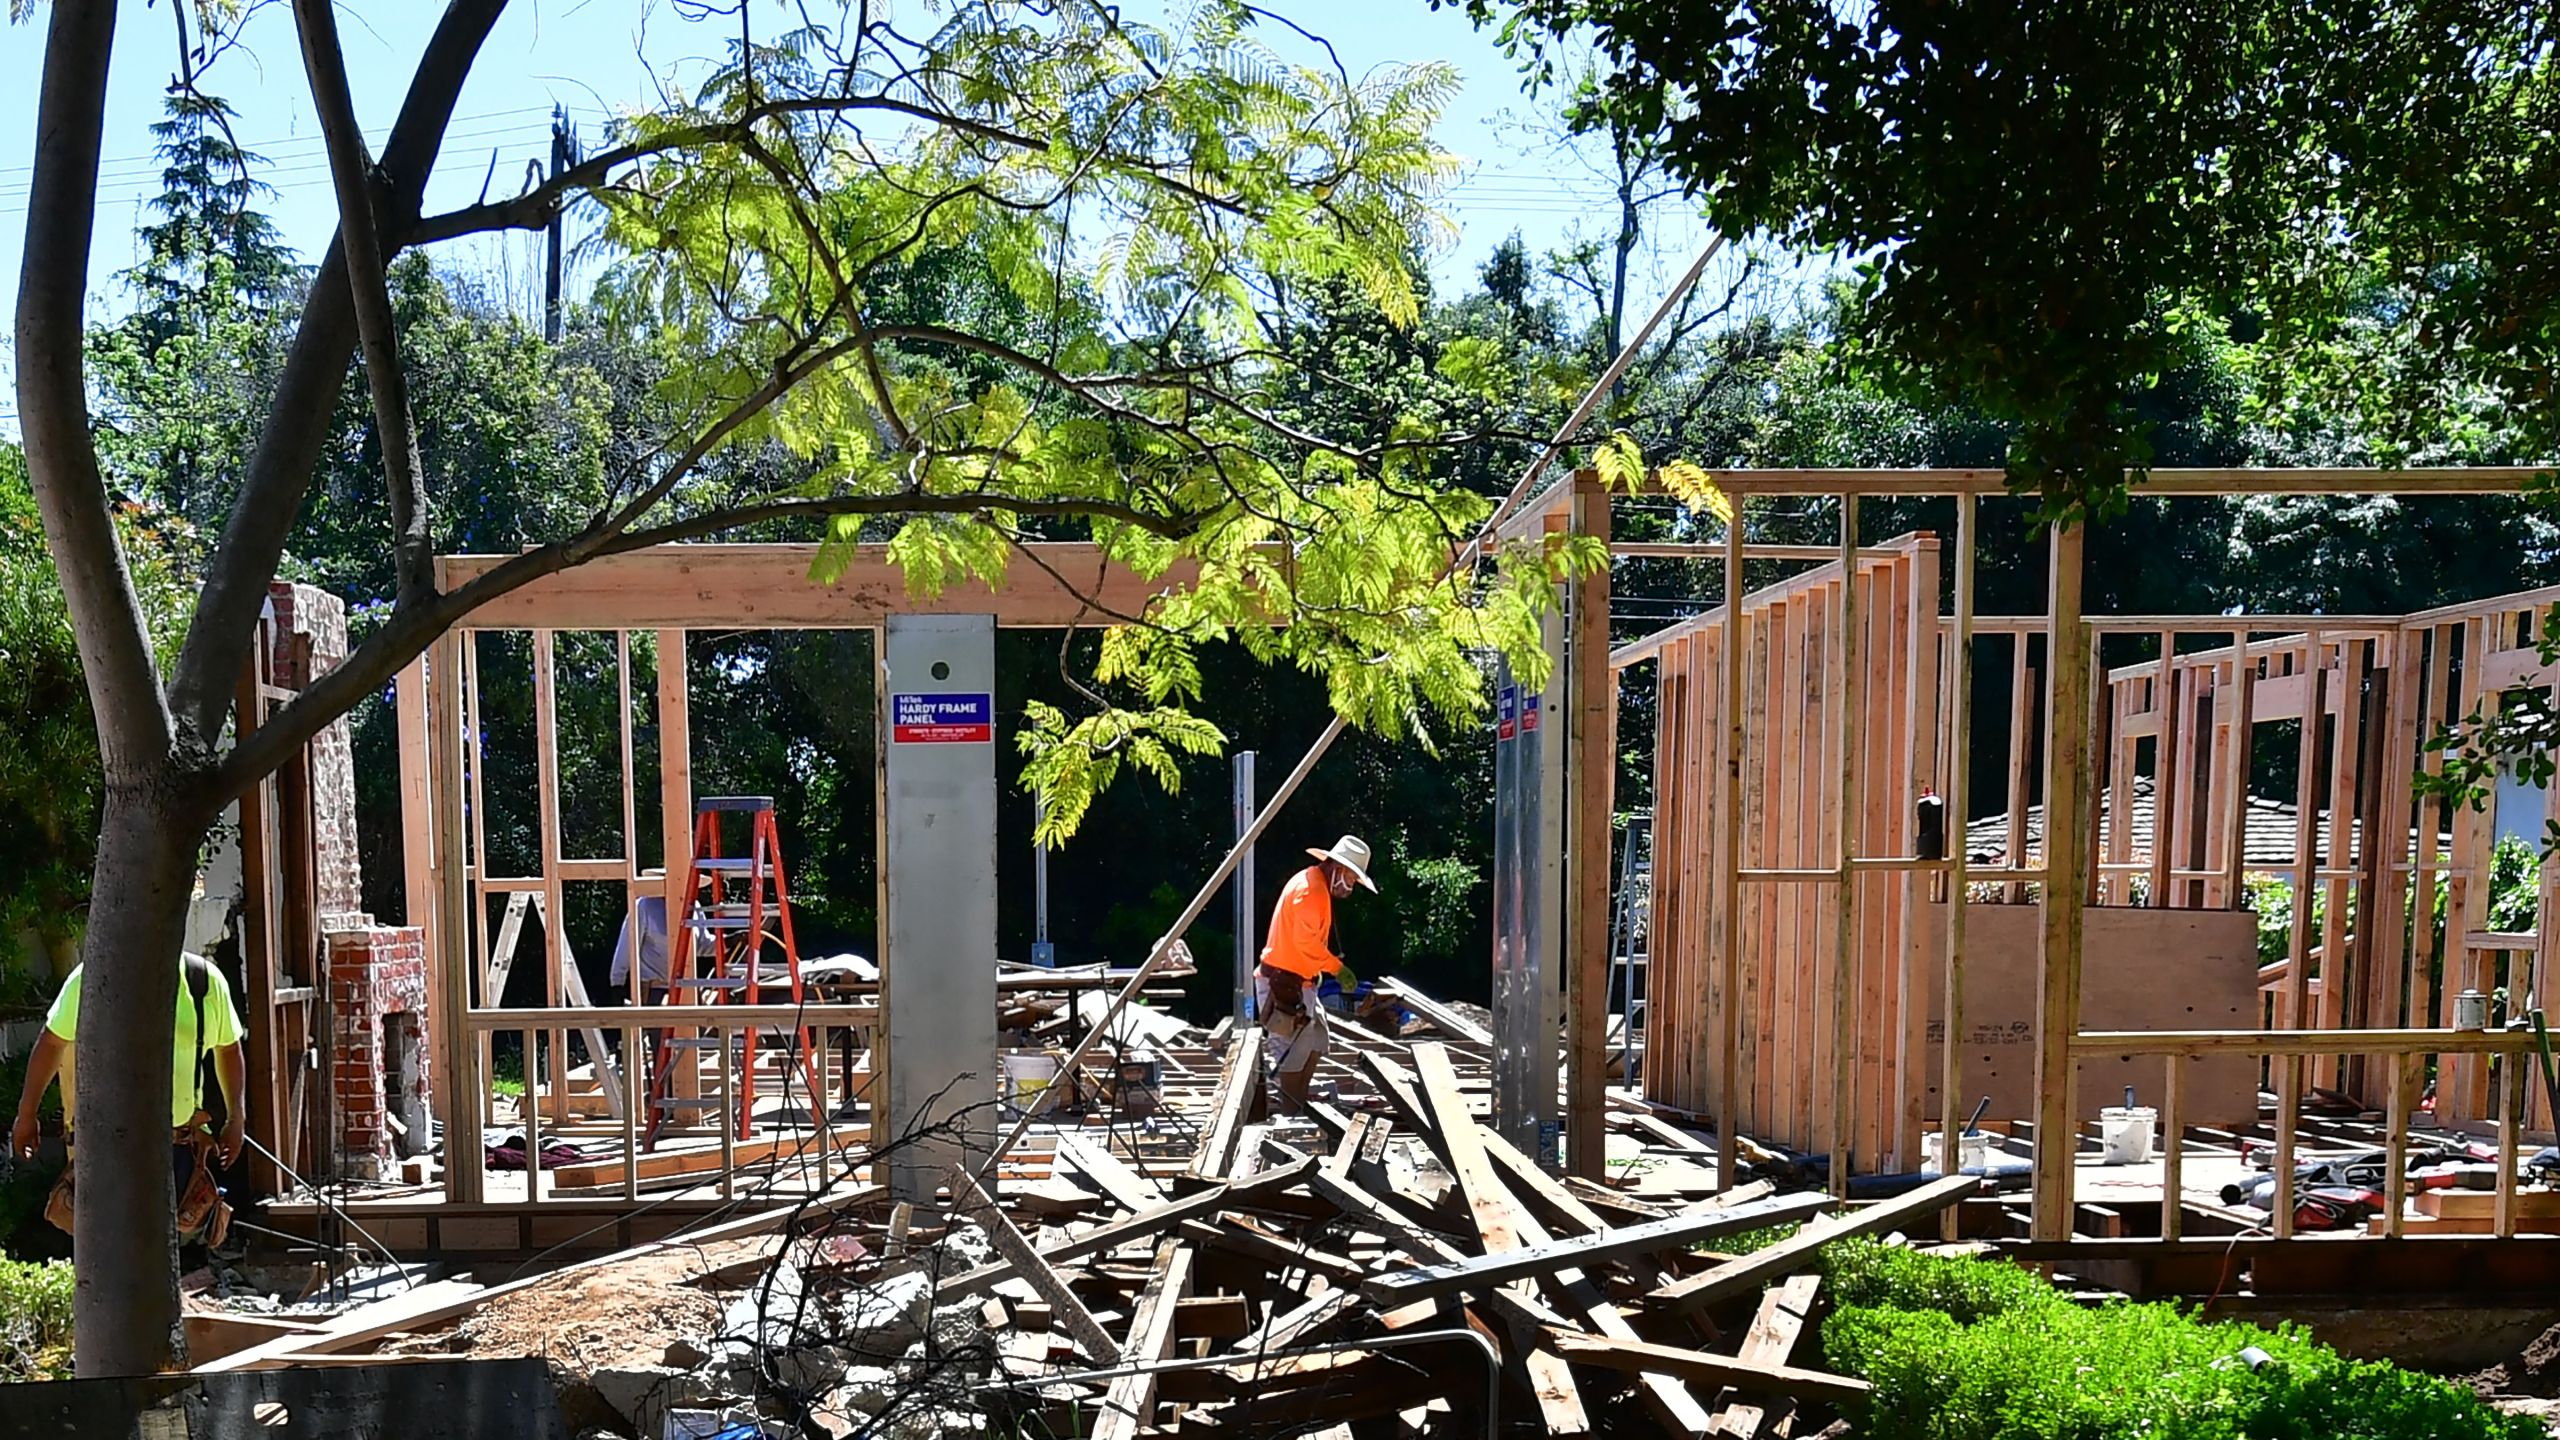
351	173
411	631
315	369
134	726
533	209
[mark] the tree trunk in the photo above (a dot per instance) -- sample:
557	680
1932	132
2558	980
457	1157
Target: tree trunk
125	1306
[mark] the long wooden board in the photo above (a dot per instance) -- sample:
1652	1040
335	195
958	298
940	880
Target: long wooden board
1750	1272
1581	1251
1644	1358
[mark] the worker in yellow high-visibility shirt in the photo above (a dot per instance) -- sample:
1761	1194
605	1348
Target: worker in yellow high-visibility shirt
1297	953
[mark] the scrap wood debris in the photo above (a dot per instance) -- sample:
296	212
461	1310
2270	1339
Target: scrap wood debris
1401	1269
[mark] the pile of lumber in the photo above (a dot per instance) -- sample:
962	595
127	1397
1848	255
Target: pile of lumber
1397	1269
1357	1271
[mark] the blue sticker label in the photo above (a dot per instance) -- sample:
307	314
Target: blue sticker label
942	719
1528	713
1506	711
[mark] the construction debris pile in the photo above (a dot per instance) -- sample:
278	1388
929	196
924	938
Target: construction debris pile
1388	1264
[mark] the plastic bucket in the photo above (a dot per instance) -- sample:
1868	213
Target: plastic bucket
1973	1151
2124	1135
1020	1077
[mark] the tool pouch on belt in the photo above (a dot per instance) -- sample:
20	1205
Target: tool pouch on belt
202	1217
57	1206
1288	991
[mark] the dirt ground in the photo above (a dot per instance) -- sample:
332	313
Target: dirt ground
622	1314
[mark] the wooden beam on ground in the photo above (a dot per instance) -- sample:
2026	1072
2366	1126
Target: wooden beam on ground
1643	1358
1086	1331
1129	1406
1277	1254
1135	1227
1291	1328
1109	1173
1770	1341
1498	1224
1396	1083
1586	1250
1753	1271
1239	1086
1447	1021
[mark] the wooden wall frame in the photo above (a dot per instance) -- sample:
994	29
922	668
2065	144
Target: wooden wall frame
2352	1006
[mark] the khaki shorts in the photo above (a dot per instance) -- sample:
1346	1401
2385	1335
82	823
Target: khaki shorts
1291	1042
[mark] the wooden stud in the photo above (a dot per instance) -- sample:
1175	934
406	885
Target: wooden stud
2235	818
2173	1153
2167	774
548	851
2397	1073
1729	859
2288	1069
1593	696
2065	883
462	1077
2306	796
2022	711
1849	697
1959	808
2511	1075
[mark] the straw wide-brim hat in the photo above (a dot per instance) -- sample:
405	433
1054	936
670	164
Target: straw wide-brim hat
1352	854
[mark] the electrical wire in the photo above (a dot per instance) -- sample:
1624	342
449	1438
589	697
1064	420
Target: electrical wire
322	1197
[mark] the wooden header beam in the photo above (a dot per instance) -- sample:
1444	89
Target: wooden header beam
2469	480
710	587
1869	558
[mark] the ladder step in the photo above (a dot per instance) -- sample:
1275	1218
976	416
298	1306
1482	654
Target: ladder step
710	983
679	1102
732	803
720	922
725	862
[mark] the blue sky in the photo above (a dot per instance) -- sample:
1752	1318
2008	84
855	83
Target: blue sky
598	57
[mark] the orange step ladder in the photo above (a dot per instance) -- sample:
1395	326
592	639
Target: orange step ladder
741	905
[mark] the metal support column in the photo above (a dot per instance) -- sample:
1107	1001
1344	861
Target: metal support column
938	969
1527	1000
1246	951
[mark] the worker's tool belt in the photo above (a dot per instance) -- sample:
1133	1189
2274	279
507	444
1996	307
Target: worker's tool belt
202	1215
1288	990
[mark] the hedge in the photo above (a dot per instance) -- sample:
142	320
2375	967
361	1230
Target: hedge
1973	1349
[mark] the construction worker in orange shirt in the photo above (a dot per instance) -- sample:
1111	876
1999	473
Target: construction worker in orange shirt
1297	953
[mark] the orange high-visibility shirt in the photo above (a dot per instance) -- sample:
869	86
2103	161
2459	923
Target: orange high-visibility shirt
1301	924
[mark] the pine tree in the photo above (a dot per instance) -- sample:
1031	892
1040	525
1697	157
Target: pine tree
178	374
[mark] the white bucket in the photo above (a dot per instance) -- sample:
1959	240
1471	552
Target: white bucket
1021	1075
1973	1152
2124	1135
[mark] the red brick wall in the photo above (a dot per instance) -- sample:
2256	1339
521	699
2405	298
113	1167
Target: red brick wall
377	984
311	640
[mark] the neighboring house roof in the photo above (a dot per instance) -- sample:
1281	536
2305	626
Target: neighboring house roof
2269	845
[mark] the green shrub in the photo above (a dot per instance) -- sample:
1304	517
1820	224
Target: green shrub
1963	1349
1743	1242
35	1321
1865	1272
